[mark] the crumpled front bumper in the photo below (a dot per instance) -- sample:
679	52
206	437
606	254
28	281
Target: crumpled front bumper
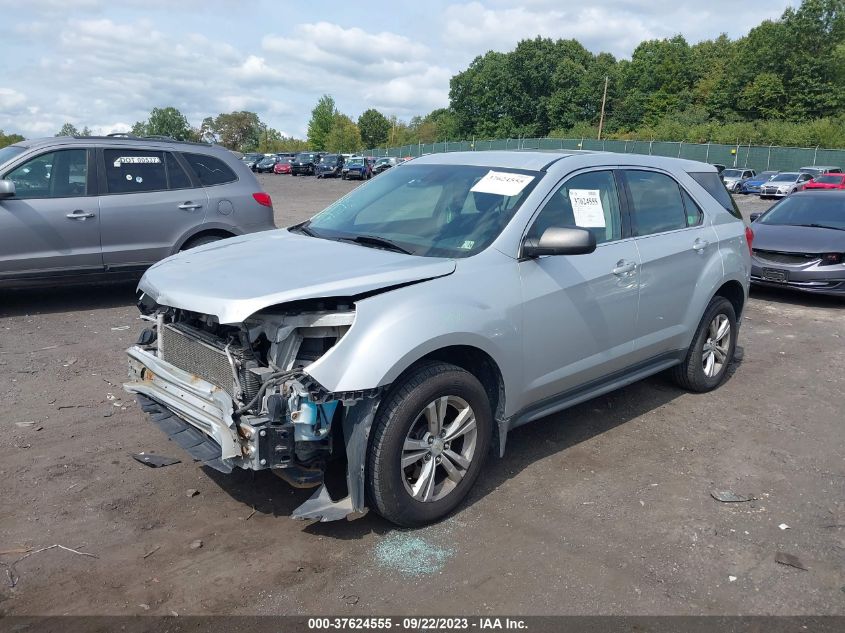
206	407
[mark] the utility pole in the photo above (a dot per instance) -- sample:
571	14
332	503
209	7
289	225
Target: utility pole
603	101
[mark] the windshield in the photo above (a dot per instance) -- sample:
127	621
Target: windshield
356	161
830	179
9	152
816	209
382	161
786	177
732	173
329	158
428	210
766	175
304	158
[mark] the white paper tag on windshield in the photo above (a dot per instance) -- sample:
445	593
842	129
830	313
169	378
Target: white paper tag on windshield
502	183
587	208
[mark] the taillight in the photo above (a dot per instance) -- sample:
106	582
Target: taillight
829	259
749	237
263	199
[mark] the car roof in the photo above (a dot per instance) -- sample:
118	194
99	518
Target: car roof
821	193
821	167
159	142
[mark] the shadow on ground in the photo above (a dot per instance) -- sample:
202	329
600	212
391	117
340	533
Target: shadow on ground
50	300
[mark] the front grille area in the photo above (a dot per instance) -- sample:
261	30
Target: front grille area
183	349
776	257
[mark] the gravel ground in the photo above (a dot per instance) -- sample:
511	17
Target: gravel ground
602	509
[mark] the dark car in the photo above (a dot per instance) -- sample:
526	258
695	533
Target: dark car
383	164
266	164
357	167
252	159
800	243
304	164
330	166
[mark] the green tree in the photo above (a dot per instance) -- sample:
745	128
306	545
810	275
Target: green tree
68	129
9	139
343	135
240	131
165	122
374	128
322	119
274	141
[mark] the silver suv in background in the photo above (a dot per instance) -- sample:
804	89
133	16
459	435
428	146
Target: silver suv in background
93	208
419	319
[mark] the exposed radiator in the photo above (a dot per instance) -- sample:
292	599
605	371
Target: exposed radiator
182	347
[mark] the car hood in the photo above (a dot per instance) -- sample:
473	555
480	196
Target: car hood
797	239
237	277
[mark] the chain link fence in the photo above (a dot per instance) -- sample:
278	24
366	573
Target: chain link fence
758	157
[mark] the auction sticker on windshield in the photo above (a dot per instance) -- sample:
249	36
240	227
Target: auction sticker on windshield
502	183
587	207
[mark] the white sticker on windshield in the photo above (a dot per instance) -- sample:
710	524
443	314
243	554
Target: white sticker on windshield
502	183
135	160
587	208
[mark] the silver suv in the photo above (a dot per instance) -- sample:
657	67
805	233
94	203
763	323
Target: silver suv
93	208
414	323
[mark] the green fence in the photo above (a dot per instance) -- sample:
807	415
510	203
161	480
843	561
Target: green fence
759	157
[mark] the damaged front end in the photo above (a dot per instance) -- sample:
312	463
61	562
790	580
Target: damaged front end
238	396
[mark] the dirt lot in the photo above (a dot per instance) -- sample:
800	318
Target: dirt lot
604	509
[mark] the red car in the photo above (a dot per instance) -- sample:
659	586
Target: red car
283	166
827	181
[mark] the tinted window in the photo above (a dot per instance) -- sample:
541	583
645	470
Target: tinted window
176	176
830	180
210	170
131	170
803	210
9	152
588	201
695	215
62	174
657	204
712	184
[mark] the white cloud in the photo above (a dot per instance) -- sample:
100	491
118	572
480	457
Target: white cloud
11	99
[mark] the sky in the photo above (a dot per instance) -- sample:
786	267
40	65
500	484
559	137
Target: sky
105	65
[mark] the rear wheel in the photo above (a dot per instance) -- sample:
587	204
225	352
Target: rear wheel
712	349
428	444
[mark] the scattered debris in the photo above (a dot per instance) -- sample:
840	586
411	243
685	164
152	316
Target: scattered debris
152	551
300	568
196	544
411	555
783	526
154	461
192	492
249	516
731	578
19	550
119	328
29	425
107	413
145	607
10	567
788	559
350	599
727	496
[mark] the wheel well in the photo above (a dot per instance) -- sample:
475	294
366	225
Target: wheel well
207	233
733	292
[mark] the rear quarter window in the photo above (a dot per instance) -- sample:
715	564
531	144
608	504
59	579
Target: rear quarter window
210	170
712	184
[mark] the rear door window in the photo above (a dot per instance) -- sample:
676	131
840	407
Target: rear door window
176	176
712	184
131	170
210	170
656	201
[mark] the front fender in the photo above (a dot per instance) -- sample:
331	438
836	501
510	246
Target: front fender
478	306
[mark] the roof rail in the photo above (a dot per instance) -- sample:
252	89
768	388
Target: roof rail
152	137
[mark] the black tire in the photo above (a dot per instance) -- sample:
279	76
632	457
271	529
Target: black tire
199	241
690	374
397	414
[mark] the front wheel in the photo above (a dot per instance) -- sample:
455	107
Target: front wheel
429	441
712	349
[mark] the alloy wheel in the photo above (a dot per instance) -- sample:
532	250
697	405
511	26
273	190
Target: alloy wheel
714	354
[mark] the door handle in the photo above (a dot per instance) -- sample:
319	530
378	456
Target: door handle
700	244
79	214
624	269
189	206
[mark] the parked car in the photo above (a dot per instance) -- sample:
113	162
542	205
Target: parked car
785	183
818	170
439	307
266	164
752	185
304	164
827	181
283	166
94	208
357	167
734	178
719	167
330	166
800	243
252	160
383	164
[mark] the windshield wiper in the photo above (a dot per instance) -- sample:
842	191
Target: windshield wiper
303	228
375	240
822	226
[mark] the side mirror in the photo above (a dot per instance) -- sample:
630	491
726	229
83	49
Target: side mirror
560	241
7	189
754	216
